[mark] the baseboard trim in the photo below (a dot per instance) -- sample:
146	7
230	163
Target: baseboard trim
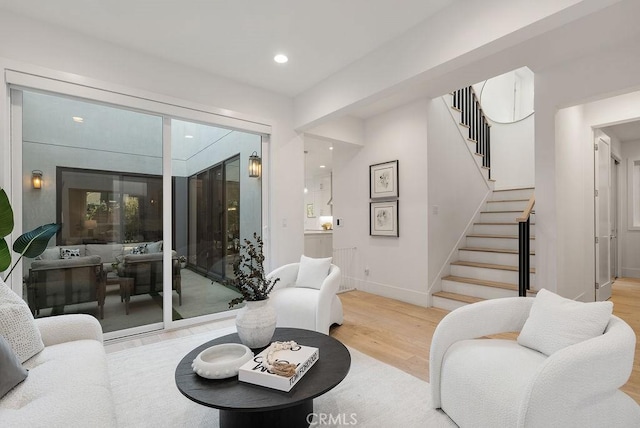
630	272
385	290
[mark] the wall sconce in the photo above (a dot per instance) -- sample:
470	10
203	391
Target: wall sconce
36	179
255	165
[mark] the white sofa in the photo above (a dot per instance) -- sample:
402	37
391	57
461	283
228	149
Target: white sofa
499	383
68	382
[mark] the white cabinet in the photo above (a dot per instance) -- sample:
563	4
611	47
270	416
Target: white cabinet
318	244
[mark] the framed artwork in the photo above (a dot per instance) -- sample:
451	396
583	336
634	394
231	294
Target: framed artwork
310	213
383	180
383	219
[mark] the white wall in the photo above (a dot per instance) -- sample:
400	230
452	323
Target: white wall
24	41
575	192
513	154
456	187
397	266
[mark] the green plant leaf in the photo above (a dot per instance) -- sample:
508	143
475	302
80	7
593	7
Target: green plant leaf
32	244
5	255
6	215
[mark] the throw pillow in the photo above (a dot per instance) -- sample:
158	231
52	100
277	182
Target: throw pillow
154	247
67	253
17	325
139	249
312	272
556	322
11	371
50	254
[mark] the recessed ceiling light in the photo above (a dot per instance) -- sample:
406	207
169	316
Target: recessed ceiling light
322	166
78	119
331	148
280	58
188	136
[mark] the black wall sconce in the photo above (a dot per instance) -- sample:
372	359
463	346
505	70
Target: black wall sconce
36	179
255	165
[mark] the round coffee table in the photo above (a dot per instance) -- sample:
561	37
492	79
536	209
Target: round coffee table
246	405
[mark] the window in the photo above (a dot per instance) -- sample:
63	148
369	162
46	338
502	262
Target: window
105	207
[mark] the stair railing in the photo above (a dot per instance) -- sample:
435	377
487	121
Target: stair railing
467	102
524	253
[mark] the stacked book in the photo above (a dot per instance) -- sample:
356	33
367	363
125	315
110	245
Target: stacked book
254	371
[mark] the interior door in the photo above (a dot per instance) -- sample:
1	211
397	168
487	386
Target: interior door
614	219
603	218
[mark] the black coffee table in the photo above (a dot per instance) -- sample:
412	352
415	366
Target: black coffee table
245	405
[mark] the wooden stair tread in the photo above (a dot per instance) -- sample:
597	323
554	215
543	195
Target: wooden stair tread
498	223
493	250
457	297
486	283
502	211
515	188
489	266
509	200
477	235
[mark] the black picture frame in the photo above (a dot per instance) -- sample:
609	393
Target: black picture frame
384	218
383	180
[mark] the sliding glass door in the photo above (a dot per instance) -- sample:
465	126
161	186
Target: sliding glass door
224	206
140	232
101	169
215	221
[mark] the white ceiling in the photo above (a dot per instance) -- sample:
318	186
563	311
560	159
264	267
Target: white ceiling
238	39
624	132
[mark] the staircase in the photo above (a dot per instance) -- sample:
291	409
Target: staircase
487	265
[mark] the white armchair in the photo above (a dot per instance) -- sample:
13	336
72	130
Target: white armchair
493	382
306	308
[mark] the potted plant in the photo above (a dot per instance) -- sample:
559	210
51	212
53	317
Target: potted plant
256	321
30	244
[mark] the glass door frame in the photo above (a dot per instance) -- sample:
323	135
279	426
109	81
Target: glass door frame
35	79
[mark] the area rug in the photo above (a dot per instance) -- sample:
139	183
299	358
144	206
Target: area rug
373	394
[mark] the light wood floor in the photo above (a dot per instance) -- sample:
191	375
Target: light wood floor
399	334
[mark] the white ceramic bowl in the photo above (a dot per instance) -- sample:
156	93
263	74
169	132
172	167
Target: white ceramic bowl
221	361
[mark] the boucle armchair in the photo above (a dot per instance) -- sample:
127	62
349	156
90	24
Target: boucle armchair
494	382
302	307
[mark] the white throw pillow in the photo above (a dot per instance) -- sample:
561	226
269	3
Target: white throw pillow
50	254
556	322
17	325
154	247
312	272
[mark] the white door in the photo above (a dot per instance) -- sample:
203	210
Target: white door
614	219
603	216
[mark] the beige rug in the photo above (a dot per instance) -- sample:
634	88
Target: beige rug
373	394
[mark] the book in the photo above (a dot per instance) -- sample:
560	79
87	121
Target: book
256	373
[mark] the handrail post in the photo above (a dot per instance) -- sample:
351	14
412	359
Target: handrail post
523	256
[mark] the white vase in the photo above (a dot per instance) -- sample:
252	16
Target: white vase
256	322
